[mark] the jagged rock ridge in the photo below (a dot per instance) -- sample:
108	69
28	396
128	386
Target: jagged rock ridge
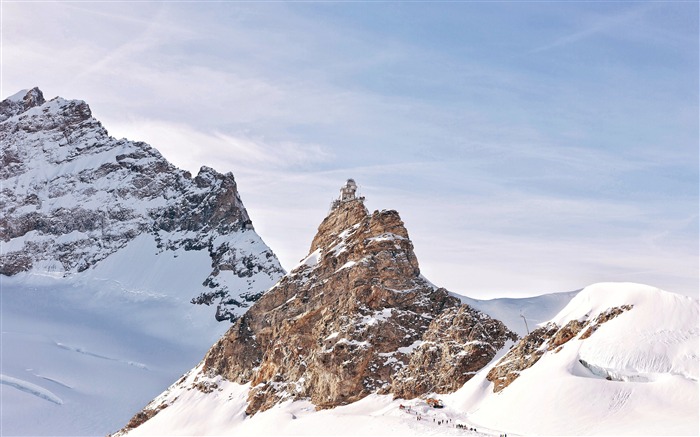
72	195
355	317
548	338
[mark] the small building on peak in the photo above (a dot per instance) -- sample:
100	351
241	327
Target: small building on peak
347	191
347	194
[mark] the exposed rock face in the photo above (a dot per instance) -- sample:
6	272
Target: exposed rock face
351	317
334	328
459	342
72	195
544	339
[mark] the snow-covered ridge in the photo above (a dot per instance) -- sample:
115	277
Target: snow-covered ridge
619	359
603	321
662	325
72	196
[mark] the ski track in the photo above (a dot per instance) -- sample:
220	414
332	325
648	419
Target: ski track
102	357
30	388
55	381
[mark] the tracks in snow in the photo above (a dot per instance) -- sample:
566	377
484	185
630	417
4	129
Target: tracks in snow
102	357
30	388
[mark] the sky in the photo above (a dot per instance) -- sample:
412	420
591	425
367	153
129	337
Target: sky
529	147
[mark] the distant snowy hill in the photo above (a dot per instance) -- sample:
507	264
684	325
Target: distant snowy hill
619	359
105	251
524	313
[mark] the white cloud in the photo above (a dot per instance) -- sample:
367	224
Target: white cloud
189	148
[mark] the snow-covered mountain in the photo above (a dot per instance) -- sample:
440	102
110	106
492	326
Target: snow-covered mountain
72	196
619	359
114	268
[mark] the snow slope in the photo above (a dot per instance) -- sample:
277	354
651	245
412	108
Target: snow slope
81	354
650	354
511	311
654	346
222	412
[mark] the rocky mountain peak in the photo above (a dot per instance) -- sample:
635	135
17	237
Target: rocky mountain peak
21	102
340	219
355	317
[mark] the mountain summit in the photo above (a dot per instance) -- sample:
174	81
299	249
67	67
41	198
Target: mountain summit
21	102
355	317
72	196
116	268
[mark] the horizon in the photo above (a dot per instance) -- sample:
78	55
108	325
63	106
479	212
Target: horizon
529	148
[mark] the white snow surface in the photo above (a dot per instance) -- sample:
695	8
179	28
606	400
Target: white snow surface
222	412
557	396
657	340
81	354
18	96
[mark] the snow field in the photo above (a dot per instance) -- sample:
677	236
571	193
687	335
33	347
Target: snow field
222	412
104	342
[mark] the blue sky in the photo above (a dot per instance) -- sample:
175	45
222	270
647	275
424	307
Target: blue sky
530	147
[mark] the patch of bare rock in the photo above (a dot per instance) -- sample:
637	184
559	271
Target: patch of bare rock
550	337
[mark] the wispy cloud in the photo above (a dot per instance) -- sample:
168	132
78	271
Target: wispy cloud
189	148
597	25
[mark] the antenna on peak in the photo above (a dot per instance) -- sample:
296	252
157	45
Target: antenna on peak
526	327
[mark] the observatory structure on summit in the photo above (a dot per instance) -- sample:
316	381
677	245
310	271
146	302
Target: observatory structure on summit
347	194
347	191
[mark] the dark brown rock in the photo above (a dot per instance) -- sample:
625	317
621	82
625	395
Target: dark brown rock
459	342
604	317
341	325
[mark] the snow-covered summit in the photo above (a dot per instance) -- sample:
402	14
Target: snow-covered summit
21	102
18	96
73	196
657	336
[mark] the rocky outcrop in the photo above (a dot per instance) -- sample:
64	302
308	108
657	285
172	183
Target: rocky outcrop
458	343
355	317
548	338
72	196
21	102
334	328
